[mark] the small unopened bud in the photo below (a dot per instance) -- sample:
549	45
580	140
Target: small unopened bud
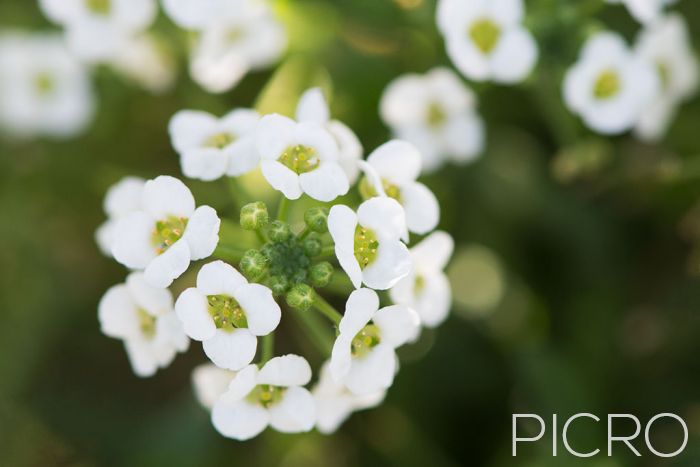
254	216
316	219
278	284
312	247
320	274
301	297
279	231
253	265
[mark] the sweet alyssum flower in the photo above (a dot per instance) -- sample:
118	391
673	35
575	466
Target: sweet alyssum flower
211	147
666	44
437	113
235	37
226	313
122	198
96	30
335	403
210	382
364	357
272	395
426	289
368	243
44	90
142	316
645	11
392	170
486	40
166	233
609	86
300	158
313	107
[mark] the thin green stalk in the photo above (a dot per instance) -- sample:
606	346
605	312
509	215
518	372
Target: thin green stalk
268	348
304	233
239	195
229	253
316	329
283	209
261	236
327	309
327	251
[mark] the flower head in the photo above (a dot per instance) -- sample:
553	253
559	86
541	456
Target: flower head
368	243
363	357
227	314
300	158
272	395
211	147
210	382
486	40
142	316
166	233
426	289
645	11
122	198
609	86
437	113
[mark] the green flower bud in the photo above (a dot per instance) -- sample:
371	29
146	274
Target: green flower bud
279	231
317	219
301	297
312	247
320	274
278	284
253	265
254	216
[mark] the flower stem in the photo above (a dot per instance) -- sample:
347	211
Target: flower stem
238	194
229	253
317	331
304	233
283	209
268	348
327	309
261	236
327	251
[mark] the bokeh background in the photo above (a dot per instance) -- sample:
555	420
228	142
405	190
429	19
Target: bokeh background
576	277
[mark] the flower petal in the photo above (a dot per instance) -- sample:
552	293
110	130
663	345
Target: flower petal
350	149
281	178
398	324
433	252
239	419
341	357
141	357
372	373
192	310
219	278
362	304
167	196
287	370
209	383
312	107
295	413
124	197
205	164
117	313
132	245
421	207
274	134
262	311
188	129
231	350
515	56
342	222
242	156
169	265
325	183
385	216
156	301
397	161
202	232
393	262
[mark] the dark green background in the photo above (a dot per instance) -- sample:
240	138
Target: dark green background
599	308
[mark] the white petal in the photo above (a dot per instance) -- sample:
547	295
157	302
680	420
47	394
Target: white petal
132	242
239	419
325	183
168	266
422	208
274	135
467	58
287	370
434	302
433	252
350	148
341	357
385	216
190	128
398	324
124	197
117	313
215	69
514	57
242	156
210	382
205	164
312	107
219	278
464	137
141	357
202	232
396	161
231	350
342	222
167	196
295	413
393	262
193	311
282	178
359	309
244	382
104	236
262	311
170	334
156	301
317	137
193	14
373	372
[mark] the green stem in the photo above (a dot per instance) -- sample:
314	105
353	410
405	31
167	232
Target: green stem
261	236
238	194
283	209
229	253
327	251
316	329
327	309
268	348
304	233
339	285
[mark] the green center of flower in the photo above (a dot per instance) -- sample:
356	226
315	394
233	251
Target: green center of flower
367	189
300	158
366	245
227	312
485	34
147	323
100	7
266	395
418	285
167	232
288	259
607	85
365	340
44	83
664	74
234	35
436	115
219	140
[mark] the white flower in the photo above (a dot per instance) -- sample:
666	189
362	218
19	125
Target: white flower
391	170
236	36
334	403
96	30
270	396
437	113
667	45
122	198
368	243
210	382
313	107
147	62
609	87
363	357
43	89
645	11
486	40
226	313
142	316
300	158
166	233
427	289
211	147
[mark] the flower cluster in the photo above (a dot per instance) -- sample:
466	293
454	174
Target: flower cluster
266	269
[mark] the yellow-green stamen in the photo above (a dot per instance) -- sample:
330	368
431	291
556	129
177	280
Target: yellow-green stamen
300	158
266	395
366	245
219	140
367	189
147	323
607	85
485	34
167	232
44	83
227	312
100	7
436	115
365	340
